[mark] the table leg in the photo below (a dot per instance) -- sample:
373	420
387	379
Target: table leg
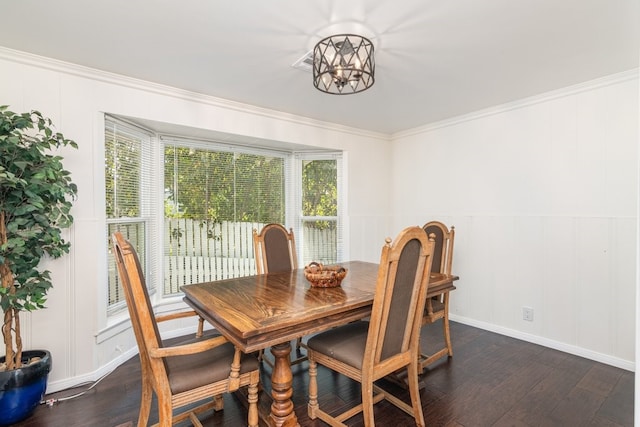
282	413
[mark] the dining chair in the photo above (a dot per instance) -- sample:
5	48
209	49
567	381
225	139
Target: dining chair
388	342
193	370
275	251
438	307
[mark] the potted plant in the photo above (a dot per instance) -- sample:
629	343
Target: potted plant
36	193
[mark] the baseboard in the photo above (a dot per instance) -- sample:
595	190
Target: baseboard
546	342
55	386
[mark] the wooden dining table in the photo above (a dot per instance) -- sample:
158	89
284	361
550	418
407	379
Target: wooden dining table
271	310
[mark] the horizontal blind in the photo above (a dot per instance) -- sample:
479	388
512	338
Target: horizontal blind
215	195
320	202
129	180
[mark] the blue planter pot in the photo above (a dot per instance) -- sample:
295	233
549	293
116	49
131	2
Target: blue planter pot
21	390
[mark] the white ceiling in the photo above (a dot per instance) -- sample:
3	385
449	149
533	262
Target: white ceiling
435	59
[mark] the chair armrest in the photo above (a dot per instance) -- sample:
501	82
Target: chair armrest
192	348
176	315
181	315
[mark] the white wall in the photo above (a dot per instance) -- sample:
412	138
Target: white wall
74	328
543	195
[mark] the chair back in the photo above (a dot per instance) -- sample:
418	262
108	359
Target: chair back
274	249
138	302
443	251
399	300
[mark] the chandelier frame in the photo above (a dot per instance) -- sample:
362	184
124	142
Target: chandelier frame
343	64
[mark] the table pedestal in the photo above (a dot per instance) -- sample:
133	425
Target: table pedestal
282	413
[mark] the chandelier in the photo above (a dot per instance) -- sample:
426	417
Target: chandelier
343	64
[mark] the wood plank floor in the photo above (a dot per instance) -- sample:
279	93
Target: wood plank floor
492	380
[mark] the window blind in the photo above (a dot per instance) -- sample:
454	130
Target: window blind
128	196
215	195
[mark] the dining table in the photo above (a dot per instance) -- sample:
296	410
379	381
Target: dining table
270	310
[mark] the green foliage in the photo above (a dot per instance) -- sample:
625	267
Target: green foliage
211	185
320	191
122	165
36	195
216	186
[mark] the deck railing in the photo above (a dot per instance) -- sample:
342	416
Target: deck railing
198	251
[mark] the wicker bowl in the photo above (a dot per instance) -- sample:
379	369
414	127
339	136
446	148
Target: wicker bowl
324	276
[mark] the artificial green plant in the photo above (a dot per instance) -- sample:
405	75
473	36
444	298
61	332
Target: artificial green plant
36	194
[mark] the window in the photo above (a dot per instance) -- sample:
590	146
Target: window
189	207
320	227
214	197
128	196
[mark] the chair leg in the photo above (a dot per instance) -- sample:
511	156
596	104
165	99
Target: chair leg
165	412
445	325
145	404
367	404
313	389
299	357
253	405
262	358
200	330
218	402
414	391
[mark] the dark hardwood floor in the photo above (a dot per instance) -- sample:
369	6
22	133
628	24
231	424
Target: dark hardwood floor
492	380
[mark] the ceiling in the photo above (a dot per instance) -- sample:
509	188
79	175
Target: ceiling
435	59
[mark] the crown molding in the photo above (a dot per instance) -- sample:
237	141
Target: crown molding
525	102
159	89
143	85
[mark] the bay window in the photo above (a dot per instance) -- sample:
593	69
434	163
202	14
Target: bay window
189	206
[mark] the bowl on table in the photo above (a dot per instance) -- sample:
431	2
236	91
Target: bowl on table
324	276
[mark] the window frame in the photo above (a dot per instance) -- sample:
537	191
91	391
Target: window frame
147	217
299	219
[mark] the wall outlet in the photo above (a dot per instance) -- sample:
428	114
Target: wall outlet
527	314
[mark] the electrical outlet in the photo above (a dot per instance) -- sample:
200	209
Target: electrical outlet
527	314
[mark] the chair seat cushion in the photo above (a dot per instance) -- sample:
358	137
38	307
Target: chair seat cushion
344	343
194	370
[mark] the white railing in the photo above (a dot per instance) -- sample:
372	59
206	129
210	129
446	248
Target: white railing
199	251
